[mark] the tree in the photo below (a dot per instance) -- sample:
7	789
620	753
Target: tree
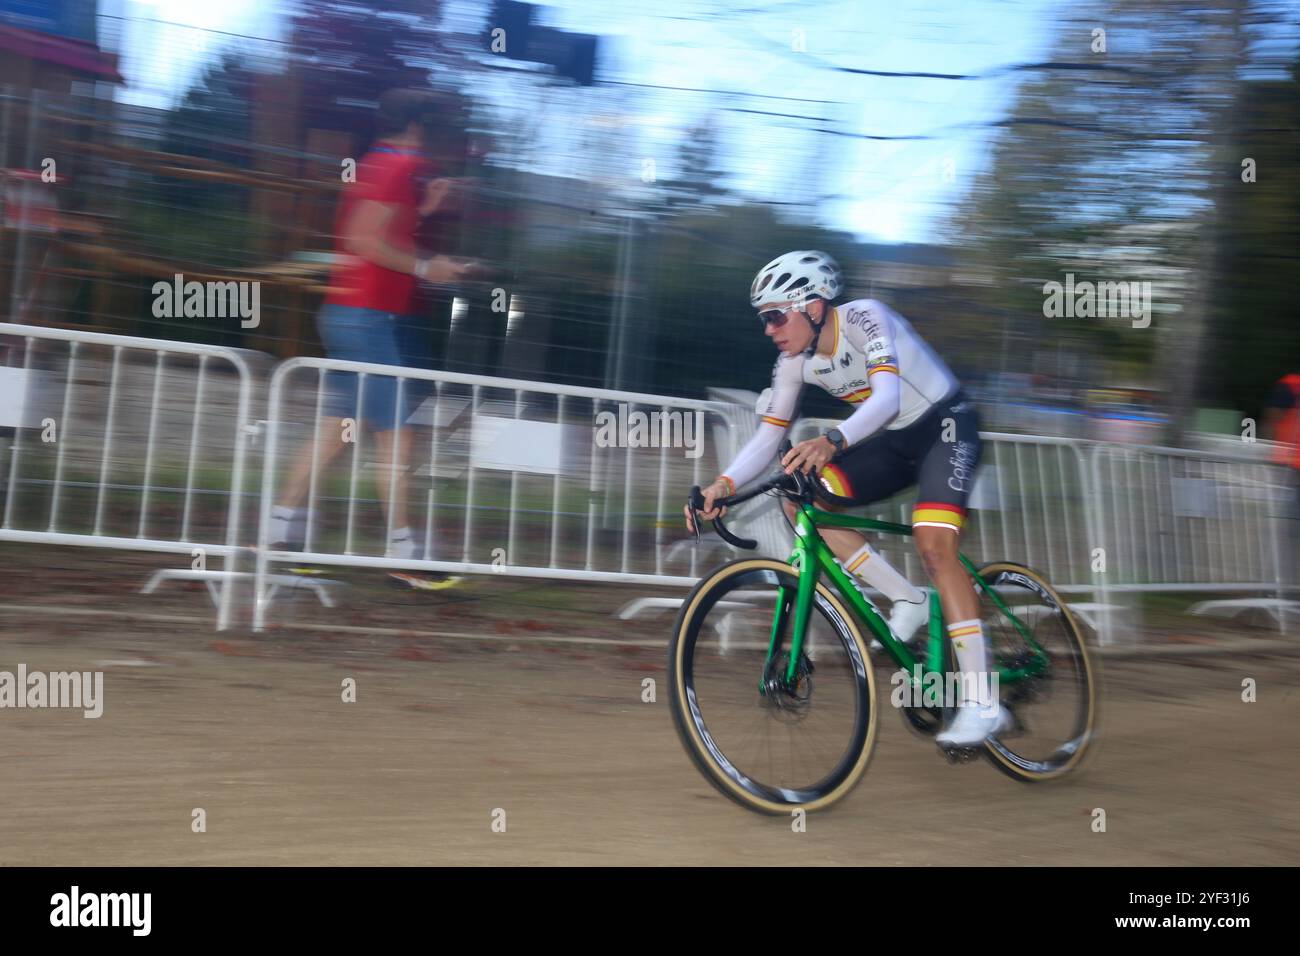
1105	170
1254	341
698	182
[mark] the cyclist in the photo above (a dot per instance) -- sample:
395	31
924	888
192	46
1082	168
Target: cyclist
911	425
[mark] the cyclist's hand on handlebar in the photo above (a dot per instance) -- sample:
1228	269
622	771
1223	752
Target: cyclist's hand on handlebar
808	456
719	489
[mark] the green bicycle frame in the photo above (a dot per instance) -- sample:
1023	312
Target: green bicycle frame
812	556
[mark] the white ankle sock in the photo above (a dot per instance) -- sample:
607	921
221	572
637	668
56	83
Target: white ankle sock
868	564
401	544
972	659
288	525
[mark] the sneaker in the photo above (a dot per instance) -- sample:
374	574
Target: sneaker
973	724
423	581
905	618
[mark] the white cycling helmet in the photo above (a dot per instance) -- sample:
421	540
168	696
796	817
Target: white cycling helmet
796	277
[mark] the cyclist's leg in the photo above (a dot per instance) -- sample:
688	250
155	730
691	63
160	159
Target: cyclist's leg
947	474
870	471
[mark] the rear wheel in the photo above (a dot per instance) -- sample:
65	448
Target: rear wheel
1051	687
768	742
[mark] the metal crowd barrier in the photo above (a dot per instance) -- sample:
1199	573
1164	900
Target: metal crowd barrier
1176	520
514	477
141	444
126	443
1103	519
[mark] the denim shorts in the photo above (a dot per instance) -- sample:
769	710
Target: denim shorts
355	334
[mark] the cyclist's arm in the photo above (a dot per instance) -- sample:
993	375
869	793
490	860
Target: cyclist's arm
755	456
873	335
776	408
880	408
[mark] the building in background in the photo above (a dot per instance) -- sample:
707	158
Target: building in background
52	45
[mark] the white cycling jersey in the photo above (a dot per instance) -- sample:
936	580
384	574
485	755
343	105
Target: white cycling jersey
872	347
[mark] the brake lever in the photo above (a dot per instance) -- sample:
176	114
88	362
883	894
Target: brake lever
803	486
803	482
694	503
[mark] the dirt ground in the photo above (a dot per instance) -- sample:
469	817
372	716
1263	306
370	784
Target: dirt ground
526	697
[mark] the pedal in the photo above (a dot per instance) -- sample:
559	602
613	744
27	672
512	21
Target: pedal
960	754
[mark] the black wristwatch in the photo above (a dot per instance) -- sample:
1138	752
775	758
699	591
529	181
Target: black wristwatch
836	438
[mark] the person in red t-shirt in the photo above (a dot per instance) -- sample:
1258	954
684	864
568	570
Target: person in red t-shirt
1282	425
373	291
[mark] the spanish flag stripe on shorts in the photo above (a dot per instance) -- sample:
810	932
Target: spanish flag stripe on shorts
836	482
934	514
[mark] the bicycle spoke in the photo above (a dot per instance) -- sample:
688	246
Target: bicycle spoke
791	738
1052	706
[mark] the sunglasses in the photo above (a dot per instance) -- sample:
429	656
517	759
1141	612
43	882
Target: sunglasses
777	317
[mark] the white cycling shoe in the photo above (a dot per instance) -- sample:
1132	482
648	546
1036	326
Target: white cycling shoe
904	620
973	724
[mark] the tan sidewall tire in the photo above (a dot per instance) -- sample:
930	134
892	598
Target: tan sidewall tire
683	717
1089	667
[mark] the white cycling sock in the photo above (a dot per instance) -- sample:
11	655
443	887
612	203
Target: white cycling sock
972	661
288	525
870	565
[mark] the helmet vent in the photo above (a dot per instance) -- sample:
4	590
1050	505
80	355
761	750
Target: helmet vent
796	277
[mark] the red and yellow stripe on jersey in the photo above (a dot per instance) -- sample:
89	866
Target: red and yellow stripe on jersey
862	394
771	420
935	514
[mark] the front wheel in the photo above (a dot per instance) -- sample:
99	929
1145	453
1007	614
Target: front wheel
769	742
1048	680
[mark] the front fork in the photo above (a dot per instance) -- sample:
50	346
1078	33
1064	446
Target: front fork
802	561
799	600
778	626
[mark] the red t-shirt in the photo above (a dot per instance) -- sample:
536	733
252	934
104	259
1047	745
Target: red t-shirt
1286	398
393	175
